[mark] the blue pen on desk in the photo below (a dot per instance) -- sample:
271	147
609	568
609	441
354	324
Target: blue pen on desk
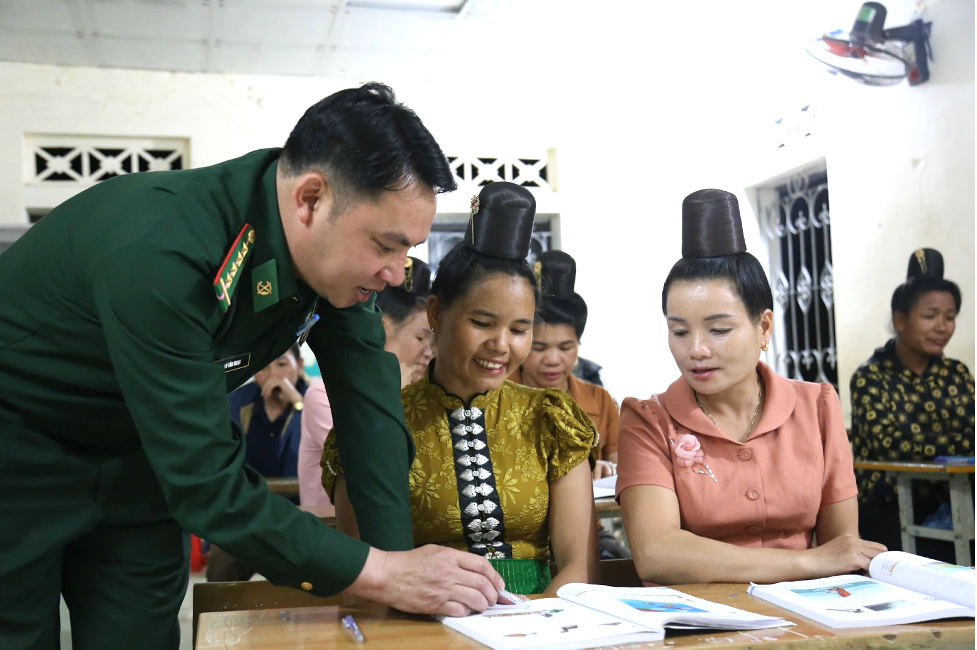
352	629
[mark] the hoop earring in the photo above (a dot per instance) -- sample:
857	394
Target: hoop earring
766	346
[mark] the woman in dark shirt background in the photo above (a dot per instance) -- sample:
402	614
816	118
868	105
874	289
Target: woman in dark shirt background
910	403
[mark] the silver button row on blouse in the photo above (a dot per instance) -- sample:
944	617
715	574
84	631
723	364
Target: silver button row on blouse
480	531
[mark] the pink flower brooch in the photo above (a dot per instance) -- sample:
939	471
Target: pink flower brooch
688	453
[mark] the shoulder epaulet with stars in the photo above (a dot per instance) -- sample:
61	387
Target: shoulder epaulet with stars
227	275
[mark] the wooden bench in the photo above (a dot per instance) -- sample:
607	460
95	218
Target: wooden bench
961	503
261	594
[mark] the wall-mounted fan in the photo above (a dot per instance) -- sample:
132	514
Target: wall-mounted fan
875	56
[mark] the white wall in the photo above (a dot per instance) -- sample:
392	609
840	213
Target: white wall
901	175
645	104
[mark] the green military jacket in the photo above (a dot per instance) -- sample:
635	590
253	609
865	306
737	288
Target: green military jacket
130	311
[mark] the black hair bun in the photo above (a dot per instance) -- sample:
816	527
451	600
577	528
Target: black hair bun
925	263
711	225
501	224
417	278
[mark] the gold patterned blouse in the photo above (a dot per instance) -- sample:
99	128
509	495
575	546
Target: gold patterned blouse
898	415
480	479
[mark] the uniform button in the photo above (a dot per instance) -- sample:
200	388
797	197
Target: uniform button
746	454
753	495
753	529
306	585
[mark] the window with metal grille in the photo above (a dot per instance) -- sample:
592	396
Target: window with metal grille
796	222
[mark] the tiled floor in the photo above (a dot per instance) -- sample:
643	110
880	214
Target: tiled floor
186	614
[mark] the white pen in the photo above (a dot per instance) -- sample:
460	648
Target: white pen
514	599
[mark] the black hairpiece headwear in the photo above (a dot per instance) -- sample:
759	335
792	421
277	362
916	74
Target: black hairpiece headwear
925	263
417	277
501	224
925	274
711	225
558	274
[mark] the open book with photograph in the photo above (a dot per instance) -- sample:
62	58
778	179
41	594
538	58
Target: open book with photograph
590	616
901	588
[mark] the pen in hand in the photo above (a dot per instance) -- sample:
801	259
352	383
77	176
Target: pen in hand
352	629
513	599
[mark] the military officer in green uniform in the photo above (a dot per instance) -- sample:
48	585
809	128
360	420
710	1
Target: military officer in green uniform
129	312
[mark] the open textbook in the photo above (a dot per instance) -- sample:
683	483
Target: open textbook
902	588
590	616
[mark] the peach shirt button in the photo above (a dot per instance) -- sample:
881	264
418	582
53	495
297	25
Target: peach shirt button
753	529
746	454
753	494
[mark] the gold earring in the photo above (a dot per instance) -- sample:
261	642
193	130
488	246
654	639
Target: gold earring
766	346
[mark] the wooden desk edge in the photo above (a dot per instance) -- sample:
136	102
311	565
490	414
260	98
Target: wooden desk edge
945	633
922	468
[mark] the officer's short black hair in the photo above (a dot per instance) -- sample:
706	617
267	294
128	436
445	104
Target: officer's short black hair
365	143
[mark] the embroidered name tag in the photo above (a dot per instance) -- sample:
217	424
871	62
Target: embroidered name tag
227	274
231	364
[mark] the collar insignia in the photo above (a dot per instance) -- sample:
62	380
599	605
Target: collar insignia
264	283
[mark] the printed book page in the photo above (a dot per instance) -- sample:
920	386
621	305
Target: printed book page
657	607
549	623
857	601
939	579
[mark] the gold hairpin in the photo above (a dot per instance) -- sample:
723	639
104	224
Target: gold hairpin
921	258
408	274
538	272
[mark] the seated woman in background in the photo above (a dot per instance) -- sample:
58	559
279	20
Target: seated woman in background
910	403
501	469
404	316
560	322
559	326
729	474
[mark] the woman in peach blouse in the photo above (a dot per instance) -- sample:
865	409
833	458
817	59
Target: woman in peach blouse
731	474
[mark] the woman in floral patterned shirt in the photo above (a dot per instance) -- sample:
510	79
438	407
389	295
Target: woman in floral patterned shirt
501	470
911	403
728	475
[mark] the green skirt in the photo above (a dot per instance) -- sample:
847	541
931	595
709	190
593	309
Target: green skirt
523	576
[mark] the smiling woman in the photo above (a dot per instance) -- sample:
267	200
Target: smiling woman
502	469
733	462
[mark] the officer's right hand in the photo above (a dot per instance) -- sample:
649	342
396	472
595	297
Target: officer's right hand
428	580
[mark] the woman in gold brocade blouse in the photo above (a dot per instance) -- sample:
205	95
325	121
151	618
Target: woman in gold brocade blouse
910	403
502	470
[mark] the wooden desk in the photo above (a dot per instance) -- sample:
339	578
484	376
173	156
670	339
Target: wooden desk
287	487
961	503
318	627
606	507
